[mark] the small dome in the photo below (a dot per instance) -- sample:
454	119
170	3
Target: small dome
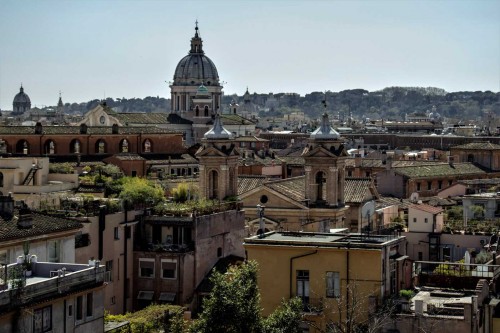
202	91
218	131
325	131
21	102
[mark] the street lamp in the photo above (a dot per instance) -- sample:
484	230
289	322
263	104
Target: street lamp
260	213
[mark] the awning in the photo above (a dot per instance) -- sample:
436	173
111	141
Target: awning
166	297
145	295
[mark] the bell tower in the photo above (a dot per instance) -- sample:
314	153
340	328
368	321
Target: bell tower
324	159
218	163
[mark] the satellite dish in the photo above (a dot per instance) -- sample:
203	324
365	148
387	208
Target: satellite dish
368	209
414	197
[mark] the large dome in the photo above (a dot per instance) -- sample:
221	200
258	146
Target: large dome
21	102
196	68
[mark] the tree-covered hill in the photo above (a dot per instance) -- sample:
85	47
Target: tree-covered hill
390	103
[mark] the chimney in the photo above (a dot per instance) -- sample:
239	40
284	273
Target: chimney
7	205
419	307
388	163
357	160
25	220
451	160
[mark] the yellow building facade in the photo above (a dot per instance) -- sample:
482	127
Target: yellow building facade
330	272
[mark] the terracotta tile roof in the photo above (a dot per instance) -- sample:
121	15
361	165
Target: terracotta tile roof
389	201
355	189
292	160
42	225
427	208
139	117
365	162
439	170
490	181
250	139
292	188
484	145
61	130
405	163
247	183
174	159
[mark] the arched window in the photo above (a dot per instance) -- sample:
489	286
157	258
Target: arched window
100	146
197	111
213	185
206	110
147	146
320	179
49	147
75	146
22	147
124	146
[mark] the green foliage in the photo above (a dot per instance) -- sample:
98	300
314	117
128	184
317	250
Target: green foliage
65	168
233	304
151	318
140	191
16	276
406	293
181	192
483	257
285	319
455	213
110	170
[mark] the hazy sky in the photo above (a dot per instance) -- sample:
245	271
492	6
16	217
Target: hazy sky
91	49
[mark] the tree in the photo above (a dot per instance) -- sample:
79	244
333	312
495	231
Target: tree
285	319
349	312
233	304
140	191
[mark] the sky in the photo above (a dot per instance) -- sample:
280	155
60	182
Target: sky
95	49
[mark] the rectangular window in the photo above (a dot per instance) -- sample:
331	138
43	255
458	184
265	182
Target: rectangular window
42	319
303	285
440	184
117	233
349	173
367	174
90	304
79	308
332	284
426	220
146	268
414	220
429	186
53	250
109	270
420	256
168	269
418	186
